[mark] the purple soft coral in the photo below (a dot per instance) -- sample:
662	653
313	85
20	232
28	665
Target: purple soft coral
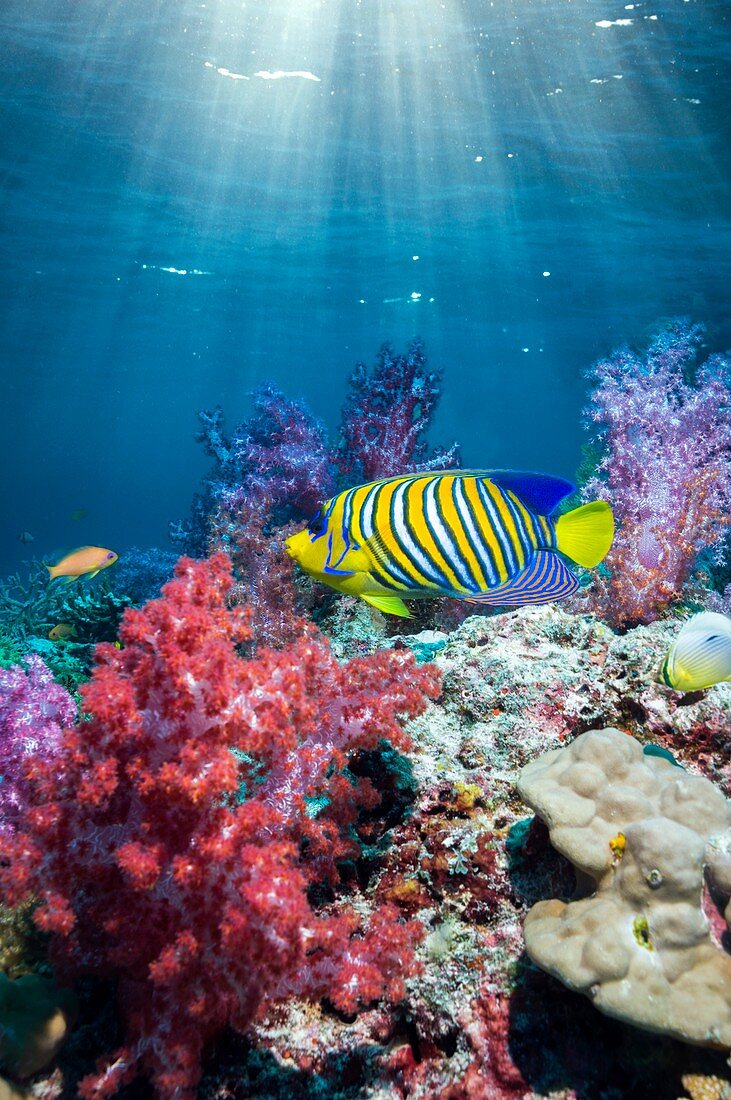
665	424
276	459
386	416
276	467
282	470
33	712
281	454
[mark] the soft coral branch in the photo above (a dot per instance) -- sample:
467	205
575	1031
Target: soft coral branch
170	842
386	417
665	428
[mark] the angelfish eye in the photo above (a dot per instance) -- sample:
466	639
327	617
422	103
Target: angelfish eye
318	524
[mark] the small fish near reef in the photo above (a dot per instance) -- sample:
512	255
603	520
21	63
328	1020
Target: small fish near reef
61	632
86	561
700	656
488	537
25	537
79	514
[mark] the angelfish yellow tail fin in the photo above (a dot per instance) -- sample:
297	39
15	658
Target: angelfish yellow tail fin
585	534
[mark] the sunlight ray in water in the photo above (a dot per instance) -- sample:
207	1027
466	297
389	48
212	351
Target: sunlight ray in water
258	184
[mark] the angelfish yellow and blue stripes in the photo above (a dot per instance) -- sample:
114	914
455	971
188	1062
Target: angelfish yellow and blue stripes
479	536
441	534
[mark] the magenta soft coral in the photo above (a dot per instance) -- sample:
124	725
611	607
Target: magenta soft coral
33	712
265	574
386	417
665	425
172	841
492	1075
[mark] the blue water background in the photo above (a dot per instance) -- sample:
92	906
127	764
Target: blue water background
495	141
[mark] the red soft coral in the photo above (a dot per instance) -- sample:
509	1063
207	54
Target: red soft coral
172	842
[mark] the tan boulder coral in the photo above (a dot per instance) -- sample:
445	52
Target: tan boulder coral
640	830
9	1091
35	1017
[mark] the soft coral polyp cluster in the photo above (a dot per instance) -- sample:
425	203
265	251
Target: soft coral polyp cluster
386	416
172	840
664	422
33	711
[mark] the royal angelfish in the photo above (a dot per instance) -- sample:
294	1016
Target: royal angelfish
483	536
700	656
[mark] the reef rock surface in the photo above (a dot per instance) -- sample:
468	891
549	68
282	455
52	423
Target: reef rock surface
468	859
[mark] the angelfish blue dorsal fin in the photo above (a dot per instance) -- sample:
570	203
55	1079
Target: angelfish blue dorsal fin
541	493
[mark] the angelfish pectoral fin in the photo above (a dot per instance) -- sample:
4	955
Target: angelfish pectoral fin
389	605
544	579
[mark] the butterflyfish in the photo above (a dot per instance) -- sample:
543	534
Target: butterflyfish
61	632
86	561
489	537
700	656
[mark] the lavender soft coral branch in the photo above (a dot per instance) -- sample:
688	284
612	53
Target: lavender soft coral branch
280	454
276	459
665	424
387	415
33	712
277	466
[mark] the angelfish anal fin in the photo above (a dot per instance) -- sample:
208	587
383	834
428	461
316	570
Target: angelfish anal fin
544	579
389	605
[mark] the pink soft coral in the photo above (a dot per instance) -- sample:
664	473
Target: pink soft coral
172	841
265	574
666	470
33	712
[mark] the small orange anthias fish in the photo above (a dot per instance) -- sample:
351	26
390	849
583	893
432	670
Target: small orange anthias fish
61	632
86	561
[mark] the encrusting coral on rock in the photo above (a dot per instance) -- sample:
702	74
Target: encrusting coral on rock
637	826
702	1087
